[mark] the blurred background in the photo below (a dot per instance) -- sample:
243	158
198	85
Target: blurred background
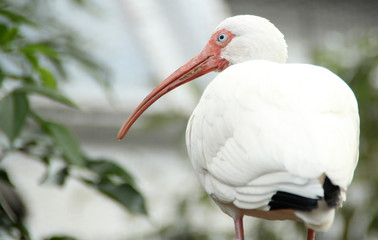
71	72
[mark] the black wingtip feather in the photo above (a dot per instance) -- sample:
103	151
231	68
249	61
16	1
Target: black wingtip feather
285	200
331	193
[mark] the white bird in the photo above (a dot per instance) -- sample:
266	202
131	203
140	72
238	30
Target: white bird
268	139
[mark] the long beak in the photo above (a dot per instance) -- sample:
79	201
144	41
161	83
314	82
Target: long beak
207	61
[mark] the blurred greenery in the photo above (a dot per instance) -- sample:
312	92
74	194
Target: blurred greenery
35	51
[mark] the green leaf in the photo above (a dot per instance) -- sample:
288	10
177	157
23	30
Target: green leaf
2	77
125	194
3	31
47	92
116	183
59	67
65	141
4	177
42	47
13	112
31	52
47	78
53	174
7	35
15	17
109	169
79	2
89	63
32	58
61	238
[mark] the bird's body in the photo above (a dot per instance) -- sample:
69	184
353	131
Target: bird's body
256	132
267	139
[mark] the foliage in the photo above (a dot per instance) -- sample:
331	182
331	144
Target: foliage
35	50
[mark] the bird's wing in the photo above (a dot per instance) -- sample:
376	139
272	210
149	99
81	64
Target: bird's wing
262	127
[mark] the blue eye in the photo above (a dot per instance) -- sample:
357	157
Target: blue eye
222	37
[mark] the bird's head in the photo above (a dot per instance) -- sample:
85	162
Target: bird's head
252	38
237	39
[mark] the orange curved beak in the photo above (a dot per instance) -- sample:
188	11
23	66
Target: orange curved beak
208	60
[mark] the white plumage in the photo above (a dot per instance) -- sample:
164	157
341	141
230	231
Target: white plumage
257	131
267	139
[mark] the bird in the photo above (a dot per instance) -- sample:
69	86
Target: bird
268	139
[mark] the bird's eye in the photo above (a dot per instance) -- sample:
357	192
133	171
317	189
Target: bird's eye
222	37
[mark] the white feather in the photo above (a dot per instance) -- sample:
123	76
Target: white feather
262	127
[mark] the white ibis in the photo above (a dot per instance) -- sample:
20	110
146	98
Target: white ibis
268	139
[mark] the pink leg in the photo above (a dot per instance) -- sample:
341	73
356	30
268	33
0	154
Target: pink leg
239	231
310	234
